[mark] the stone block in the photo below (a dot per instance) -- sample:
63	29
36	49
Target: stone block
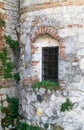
4	97
5	104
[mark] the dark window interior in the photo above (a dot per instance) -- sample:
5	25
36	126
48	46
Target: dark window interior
50	63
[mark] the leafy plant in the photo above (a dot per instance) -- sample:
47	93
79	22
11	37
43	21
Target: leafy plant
66	106
11	112
46	84
6	63
14	44
2	23
8	69
24	126
46	126
3	55
17	77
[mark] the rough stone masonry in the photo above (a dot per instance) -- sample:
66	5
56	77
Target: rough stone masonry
49	23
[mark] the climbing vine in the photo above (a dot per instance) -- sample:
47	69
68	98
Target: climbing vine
6	63
14	45
7	66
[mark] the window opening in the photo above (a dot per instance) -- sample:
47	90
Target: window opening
50	63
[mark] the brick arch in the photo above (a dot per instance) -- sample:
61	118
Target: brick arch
45	30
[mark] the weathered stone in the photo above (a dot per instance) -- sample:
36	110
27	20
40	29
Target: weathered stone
39	111
4	97
5	104
49	112
44	119
63	21
2	115
82	64
57	127
42	90
53	98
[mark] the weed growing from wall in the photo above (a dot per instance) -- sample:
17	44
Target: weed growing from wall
46	85
66	106
2	22
12	114
24	126
17	77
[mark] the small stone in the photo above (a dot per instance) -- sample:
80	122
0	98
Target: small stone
75	64
4	97
39	97
39	111
53	98
5	104
2	115
33	97
70	121
42	90
44	119
82	64
75	105
49	112
65	93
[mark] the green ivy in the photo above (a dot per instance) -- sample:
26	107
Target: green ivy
12	115
11	112
17	77
2	23
6	63
14	44
46	84
3	55
66	106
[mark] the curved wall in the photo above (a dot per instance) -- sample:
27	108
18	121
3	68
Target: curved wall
37	19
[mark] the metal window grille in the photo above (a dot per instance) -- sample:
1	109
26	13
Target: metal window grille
50	63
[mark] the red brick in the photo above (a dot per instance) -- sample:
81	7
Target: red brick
69	26
34	63
75	59
1	5
62	47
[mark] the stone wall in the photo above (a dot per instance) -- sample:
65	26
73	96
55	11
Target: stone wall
46	23
66	23
9	13
53	24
